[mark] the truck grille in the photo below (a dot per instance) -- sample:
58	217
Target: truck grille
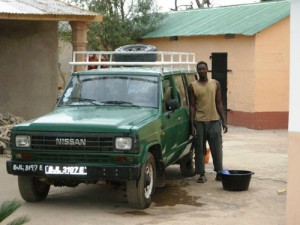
92	144
96	148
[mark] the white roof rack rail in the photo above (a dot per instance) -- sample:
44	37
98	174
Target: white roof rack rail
162	59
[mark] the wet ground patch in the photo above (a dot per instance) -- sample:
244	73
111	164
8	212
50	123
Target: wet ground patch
173	194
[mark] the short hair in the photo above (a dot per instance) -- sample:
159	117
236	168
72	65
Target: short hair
203	63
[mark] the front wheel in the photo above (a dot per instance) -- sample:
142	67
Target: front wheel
139	191
32	189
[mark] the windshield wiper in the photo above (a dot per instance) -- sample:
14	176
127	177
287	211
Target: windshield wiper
120	103
89	100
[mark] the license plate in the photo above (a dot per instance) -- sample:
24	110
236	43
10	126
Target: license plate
27	167
68	170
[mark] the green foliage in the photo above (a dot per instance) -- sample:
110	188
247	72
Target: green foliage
65	35
19	221
125	21
9	207
65	31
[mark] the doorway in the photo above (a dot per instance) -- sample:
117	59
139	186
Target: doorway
219	72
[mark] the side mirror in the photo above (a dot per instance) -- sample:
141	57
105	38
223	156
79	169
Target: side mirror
172	104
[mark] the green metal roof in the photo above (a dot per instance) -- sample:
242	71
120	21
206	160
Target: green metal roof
247	19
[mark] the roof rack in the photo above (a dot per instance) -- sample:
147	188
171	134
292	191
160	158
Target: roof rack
161	59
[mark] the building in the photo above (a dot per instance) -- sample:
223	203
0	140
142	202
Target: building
247	48
29	52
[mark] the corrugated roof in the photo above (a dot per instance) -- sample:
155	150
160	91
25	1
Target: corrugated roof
41	7
247	19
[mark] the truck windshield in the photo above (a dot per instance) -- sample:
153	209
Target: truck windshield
139	91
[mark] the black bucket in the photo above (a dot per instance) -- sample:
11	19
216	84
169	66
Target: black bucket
236	180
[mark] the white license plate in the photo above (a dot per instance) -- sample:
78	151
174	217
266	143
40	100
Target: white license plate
69	170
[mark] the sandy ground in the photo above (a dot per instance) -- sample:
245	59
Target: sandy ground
183	200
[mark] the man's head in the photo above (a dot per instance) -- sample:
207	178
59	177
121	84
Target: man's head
202	70
201	63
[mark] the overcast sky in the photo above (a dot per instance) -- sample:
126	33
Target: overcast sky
168	4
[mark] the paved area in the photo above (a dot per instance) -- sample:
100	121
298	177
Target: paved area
182	201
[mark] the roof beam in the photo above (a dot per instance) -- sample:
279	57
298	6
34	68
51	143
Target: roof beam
9	16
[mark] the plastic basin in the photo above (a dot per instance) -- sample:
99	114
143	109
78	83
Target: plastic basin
236	180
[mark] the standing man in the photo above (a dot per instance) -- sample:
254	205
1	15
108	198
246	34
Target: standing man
207	120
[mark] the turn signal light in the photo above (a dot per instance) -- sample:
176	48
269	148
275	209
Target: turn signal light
123	159
24	156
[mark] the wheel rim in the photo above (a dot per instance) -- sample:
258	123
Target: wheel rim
148	180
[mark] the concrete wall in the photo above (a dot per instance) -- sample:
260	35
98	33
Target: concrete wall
258	84
272	68
64	58
28	67
271	81
272	76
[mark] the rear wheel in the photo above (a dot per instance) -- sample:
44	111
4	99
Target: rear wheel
187	164
139	191
32	189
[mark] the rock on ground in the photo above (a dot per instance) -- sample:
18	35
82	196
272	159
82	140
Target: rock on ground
7	121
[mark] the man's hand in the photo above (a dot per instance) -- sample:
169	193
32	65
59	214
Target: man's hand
193	131
225	128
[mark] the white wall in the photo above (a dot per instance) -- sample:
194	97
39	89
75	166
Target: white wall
294	116
293	185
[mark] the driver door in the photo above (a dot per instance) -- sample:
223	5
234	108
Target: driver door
171	123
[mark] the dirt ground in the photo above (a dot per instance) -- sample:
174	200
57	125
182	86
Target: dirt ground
182	201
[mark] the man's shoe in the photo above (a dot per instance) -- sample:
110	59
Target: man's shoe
202	179
218	177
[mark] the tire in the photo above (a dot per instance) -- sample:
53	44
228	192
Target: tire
187	164
134	57
139	191
31	189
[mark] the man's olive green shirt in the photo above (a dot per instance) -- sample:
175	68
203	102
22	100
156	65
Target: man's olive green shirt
205	101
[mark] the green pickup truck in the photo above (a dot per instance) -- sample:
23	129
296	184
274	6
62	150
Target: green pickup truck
122	122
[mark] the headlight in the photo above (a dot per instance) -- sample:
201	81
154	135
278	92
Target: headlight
22	141
123	143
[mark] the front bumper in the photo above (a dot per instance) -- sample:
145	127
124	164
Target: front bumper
75	171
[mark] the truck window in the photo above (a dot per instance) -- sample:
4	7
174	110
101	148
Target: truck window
167	92
181	90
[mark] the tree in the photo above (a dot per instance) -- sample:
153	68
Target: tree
199	3
125	21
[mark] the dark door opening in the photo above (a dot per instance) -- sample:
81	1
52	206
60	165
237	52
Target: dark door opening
219	72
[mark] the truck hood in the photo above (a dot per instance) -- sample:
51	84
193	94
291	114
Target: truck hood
90	119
